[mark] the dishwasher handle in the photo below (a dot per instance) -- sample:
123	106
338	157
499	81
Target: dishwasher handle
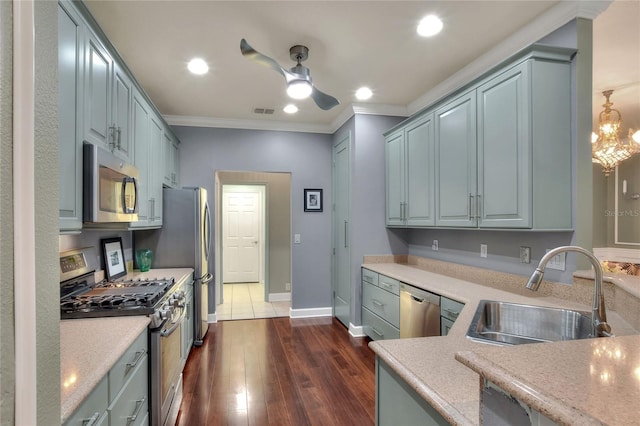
420	296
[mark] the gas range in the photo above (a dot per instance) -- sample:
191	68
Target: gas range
82	297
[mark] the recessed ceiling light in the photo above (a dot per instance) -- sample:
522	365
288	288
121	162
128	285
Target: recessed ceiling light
429	26
198	66
290	109
364	93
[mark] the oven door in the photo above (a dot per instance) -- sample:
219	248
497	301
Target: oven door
166	365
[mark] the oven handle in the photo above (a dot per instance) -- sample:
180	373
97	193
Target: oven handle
176	324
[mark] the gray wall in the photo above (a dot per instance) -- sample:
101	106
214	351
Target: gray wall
7	358
203	151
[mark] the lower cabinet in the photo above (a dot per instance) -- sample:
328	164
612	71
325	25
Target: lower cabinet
380	306
498	407
398	404
122	396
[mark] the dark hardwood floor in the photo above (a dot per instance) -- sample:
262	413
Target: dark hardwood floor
279	371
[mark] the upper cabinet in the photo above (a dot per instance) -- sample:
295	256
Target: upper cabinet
410	177
70	68
101	103
502	149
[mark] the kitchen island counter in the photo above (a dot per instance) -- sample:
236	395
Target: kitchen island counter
429	366
90	347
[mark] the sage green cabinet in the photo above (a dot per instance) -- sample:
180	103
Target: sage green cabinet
70	69
97	92
455	127
147	137
411	174
380	306
398	404
121	116
502	151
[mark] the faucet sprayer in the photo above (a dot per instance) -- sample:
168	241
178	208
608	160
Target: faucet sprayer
599	325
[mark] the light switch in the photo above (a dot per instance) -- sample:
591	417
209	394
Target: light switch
297	239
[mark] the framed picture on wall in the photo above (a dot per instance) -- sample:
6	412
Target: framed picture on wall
313	200
114	266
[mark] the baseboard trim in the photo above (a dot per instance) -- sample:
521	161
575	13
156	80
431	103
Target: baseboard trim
279	297
310	312
212	318
356	330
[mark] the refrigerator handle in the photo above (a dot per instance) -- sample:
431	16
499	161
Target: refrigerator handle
206	279
207	232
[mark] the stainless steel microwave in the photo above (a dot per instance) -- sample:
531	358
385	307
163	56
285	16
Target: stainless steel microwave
110	187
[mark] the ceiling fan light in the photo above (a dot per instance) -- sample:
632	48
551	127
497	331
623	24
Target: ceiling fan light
198	66
429	26
299	89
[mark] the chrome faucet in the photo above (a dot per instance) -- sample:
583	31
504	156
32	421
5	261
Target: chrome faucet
599	325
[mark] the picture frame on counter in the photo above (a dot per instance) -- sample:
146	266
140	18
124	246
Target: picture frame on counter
313	200
113	256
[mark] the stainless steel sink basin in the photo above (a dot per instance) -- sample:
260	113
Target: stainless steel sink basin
506	323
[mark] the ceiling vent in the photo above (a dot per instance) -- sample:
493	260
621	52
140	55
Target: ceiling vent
265	111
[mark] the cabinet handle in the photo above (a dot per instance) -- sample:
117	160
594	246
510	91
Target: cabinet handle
119	131
132	418
135	362
345	234
377	332
112	137
91	420
478	205
386	285
470	203
377	303
451	313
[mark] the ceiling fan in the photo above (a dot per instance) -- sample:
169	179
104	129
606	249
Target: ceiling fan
299	84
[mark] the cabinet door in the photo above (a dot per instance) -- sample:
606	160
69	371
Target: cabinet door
157	169
455	127
504	151
122	95
97	91
420	165
142	143
70	65
395	178
175	163
167	158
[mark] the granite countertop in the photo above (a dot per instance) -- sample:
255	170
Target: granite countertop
429	364
90	347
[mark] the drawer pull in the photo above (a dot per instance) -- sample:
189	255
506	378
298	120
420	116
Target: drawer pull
135	362
377	303
377	332
386	285
132	418
451	313
91	420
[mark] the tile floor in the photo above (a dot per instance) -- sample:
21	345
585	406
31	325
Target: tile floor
246	301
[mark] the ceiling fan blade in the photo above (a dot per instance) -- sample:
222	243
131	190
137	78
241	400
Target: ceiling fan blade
323	100
255	56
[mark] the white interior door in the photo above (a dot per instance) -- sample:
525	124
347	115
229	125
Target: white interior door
242	234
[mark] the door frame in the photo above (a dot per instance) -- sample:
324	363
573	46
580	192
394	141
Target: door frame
219	254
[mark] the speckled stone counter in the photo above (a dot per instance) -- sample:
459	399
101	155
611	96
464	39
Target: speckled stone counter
90	347
580	382
428	364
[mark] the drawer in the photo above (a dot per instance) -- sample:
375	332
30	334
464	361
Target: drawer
390	284
132	403
93	408
450	308
377	328
369	276
381	303
124	367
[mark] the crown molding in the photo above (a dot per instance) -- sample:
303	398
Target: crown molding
285	126
543	25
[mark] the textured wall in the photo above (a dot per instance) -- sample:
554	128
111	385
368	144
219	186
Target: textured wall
7	359
46	216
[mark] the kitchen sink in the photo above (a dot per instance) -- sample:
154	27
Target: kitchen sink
505	323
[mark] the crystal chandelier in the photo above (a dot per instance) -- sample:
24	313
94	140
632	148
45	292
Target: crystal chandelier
607	148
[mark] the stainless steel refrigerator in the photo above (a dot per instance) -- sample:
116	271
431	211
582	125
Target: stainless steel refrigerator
184	242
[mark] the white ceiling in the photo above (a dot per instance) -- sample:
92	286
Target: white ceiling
351	43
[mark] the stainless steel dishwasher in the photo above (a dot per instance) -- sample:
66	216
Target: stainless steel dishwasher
419	312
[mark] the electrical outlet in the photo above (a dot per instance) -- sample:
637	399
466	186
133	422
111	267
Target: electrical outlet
287	286
525	254
558	262
483	250
434	246
297	239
